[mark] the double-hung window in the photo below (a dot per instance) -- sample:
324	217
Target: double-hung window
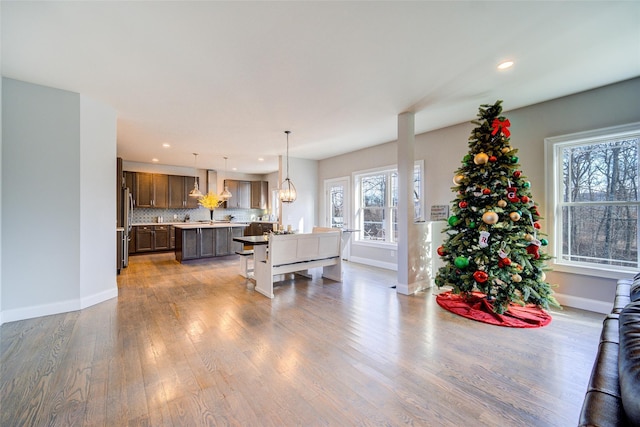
593	201
377	203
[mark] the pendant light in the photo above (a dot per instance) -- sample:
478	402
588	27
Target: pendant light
226	194
196	191
288	193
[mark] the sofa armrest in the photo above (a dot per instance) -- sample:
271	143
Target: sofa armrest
629	361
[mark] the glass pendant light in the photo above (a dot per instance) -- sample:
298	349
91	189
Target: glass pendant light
226	194
196	191
288	193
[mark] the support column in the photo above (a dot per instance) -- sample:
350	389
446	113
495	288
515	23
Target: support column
406	149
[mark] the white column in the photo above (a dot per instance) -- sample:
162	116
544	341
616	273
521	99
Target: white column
406	148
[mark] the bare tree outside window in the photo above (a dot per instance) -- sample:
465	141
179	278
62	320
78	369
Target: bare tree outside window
374	192
599	202
377	203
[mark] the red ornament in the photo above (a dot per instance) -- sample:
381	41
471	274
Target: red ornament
486	191
506	261
500	264
533	250
536	225
441	251
480	276
517	174
493	159
463	204
525	199
512	195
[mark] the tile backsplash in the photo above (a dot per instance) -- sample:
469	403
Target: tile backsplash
150	215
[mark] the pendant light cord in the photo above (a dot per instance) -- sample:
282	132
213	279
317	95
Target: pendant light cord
287	132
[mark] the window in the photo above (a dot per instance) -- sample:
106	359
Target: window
377	203
594	198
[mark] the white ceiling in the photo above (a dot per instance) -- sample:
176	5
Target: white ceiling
227	78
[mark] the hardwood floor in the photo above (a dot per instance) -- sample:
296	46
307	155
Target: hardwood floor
191	345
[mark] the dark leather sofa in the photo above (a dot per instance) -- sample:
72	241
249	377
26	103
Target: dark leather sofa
613	393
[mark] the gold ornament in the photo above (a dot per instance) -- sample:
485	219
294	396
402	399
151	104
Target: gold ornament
516	278
528	237
515	216
543	276
502	203
490	217
506	149
457	180
481	159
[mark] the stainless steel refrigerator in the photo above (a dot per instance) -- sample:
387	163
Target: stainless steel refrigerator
127	210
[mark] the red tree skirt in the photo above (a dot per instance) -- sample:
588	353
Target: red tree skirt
476	307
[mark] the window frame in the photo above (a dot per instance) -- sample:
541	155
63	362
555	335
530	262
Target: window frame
554	183
388	208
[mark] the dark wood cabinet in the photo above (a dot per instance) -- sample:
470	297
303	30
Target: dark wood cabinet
224	240
144	190
259	194
132	240
258	228
190	202
187	244
151	190
206	242
195	243
149	238
236	246
144	238
161	239
130	181
179	189
240	194
160	191
177	197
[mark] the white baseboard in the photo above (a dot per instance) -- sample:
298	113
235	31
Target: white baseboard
56	307
412	288
596	306
99	297
386	265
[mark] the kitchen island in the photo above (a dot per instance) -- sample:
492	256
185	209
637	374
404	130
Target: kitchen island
207	240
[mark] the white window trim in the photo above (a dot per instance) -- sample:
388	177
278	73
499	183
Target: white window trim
553	170
356	204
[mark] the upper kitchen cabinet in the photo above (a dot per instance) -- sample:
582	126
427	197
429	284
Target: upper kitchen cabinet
179	188
151	190
130	182
259	194
240	194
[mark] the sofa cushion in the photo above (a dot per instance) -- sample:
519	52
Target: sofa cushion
629	361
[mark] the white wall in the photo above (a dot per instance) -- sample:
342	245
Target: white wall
52	222
442	151
97	202
1	321
301	214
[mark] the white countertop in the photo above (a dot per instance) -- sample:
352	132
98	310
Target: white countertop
215	224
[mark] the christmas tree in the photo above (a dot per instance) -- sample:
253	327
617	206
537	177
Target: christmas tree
493	242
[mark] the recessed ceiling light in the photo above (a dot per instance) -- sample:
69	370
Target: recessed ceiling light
504	65
155	160
260	159
234	169
165	145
